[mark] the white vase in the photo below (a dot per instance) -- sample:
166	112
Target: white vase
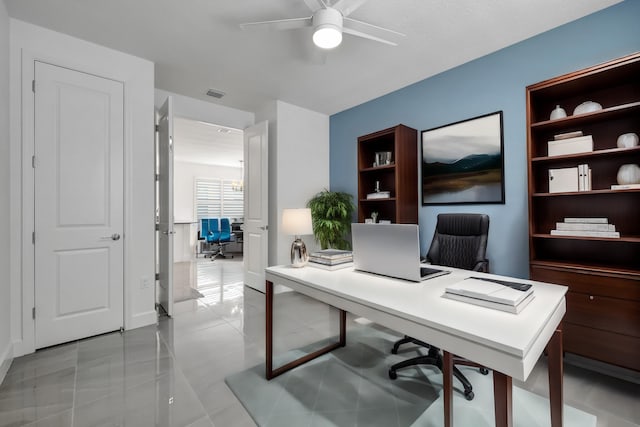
558	113
629	174
627	140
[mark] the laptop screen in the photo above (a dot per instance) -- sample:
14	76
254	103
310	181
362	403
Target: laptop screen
387	249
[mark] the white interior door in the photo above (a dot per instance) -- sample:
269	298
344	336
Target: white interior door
79	139
165	207
256	204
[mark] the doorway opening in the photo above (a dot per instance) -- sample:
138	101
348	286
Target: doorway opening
207	185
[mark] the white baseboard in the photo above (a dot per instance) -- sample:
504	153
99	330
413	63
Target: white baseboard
6	358
143	319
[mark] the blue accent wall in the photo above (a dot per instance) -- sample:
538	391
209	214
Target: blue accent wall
491	83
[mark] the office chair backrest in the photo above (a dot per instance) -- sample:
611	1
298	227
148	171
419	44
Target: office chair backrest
225	229
460	240
204	228
214	230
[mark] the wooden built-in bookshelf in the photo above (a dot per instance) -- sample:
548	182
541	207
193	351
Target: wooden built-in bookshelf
399	178
603	274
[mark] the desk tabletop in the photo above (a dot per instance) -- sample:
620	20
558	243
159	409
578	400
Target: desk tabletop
510	343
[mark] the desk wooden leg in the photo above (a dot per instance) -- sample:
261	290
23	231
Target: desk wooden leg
343	328
447	392
503	399
269	331
554	359
270	371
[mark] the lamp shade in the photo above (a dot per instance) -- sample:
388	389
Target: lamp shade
297	222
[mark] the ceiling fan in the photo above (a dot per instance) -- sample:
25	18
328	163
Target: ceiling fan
329	20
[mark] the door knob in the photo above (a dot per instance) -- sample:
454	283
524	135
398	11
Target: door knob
114	236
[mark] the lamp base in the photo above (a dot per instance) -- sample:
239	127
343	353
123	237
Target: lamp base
299	255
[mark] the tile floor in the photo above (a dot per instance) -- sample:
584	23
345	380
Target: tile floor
172	373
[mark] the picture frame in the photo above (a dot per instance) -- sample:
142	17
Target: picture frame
463	162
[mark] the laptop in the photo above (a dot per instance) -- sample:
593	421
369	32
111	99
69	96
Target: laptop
390	250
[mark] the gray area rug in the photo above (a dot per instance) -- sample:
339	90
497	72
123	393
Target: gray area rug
350	387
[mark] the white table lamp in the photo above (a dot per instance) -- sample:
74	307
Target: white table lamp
297	222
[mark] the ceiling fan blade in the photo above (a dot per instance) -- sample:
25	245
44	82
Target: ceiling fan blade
370	31
314	5
280	24
347	7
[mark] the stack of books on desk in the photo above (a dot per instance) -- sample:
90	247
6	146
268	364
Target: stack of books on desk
499	295
331	259
585	227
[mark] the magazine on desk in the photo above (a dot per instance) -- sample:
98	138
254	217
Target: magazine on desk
490	304
489	294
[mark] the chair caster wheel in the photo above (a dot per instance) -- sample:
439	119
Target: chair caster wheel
484	371
392	374
469	395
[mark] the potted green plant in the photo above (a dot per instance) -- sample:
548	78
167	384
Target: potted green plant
331	213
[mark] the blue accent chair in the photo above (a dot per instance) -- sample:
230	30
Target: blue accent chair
224	238
209	235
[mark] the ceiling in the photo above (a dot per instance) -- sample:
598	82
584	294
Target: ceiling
198	44
206	143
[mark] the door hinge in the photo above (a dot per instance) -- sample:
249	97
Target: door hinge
157	276
33	313
33	237
157	128
33	162
157	177
33	86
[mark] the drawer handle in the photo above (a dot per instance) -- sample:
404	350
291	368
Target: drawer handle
591	297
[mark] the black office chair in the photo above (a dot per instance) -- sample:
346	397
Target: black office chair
460	240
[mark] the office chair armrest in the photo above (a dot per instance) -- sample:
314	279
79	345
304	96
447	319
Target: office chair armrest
482	266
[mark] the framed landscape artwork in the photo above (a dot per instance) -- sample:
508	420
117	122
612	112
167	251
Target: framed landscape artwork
463	162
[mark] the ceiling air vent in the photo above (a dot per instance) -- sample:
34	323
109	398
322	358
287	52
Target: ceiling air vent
215	93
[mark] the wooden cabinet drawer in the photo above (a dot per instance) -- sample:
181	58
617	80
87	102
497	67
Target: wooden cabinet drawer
590	282
616	349
605	313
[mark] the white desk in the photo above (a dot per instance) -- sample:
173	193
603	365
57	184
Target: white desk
509	344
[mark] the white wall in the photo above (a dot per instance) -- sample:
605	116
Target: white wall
184	176
298	168
28	43
6	348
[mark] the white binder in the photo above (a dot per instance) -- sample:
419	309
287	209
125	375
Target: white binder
563	180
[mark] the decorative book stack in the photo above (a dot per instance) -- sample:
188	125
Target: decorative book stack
625	186
379	195
585	227
331	259
496	294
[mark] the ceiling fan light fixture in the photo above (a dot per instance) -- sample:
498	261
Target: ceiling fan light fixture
327	36
327	28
